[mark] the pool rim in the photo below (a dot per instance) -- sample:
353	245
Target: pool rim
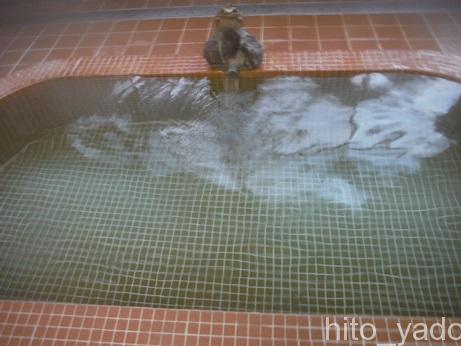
327	64
317	64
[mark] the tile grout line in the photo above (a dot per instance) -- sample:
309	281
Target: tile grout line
436	38
54	46
375	34
346	33
26	50
405	37
290	34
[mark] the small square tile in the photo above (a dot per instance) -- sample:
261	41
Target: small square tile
360	45
11	57
328	20
43	42
333	45
34	56
270	21
446	30
303	33
100	27
438	18
143	38
203	23
68	41
4	43
280	33
59	53
410	19
76	28
452	46
111	51
163	49
331	33
302	20
117	39
92	40
356	19
360	31
31	30
21	43
54	29
149	25
170	37
383	19
195	36
389	32
124	26
173	24
137	50
417	31
394	44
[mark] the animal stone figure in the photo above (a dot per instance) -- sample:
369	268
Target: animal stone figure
231	47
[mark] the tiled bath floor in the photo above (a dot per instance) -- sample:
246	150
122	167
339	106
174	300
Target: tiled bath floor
29	323
26	45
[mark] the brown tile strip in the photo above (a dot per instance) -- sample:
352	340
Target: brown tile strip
318	63
40	323
23	46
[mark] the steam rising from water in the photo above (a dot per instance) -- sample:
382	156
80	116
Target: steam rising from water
282	141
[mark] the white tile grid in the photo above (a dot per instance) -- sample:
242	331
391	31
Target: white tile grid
99	218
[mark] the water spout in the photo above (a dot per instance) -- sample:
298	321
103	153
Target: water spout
232	80
231	83
231	47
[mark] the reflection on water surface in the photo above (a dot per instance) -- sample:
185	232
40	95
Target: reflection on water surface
335	195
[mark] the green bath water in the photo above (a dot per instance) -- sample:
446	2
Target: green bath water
313	195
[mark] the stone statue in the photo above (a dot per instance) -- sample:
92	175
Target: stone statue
231	47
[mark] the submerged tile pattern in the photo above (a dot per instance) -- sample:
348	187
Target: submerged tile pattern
327	44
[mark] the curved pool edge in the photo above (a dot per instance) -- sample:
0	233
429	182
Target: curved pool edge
316	63
43	323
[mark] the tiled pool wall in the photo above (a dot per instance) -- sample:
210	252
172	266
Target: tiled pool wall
30	45
317	44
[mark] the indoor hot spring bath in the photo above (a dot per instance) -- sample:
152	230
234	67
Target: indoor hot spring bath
337	195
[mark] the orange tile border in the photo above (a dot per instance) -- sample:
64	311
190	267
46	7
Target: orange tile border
321	63
43	323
